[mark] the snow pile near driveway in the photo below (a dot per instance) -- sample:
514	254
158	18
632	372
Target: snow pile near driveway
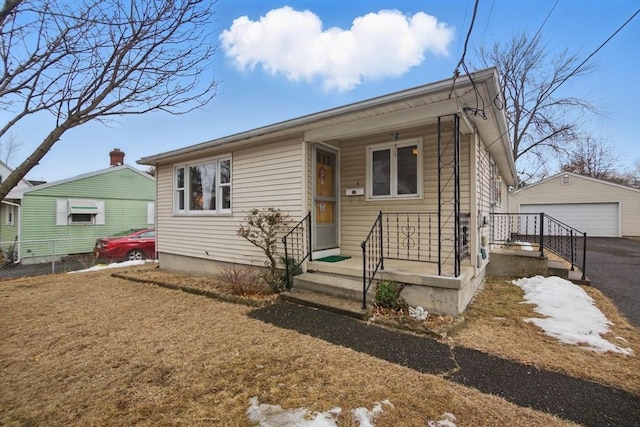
265	415
571	315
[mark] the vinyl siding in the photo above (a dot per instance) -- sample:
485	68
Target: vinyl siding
8	233
262	176
484	195
358	214
125	194
584	190
124	184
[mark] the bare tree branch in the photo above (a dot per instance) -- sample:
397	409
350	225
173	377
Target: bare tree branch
592	158
540	124
9	147
105	59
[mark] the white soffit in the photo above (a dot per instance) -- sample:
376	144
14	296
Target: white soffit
387	121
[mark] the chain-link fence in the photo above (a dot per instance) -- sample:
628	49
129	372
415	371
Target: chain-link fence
37	257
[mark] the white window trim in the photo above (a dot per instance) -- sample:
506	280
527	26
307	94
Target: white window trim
186	166
394	173
63	213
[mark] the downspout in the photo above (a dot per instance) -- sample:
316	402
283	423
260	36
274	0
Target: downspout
18	240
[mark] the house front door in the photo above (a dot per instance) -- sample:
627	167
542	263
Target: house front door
325	200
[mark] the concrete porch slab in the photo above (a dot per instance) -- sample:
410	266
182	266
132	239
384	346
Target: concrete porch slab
409	272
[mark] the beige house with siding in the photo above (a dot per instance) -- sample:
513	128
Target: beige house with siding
418	171
596	207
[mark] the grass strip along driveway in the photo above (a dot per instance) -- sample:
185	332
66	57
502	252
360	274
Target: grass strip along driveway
90	349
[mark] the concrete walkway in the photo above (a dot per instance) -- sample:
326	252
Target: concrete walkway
584	402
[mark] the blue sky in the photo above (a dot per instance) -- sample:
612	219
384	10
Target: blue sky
322	54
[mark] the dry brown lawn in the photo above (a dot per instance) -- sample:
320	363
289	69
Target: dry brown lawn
91	349
494	324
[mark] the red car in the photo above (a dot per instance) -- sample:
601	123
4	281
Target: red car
130	245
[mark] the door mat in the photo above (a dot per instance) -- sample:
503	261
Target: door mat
333	258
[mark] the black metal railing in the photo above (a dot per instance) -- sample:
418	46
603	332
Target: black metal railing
544	231
410	236
297	247
372	257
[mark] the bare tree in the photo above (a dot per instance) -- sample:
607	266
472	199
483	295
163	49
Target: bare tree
541	122
593	158
100	59
9	146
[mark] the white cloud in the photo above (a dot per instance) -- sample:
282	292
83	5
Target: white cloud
293	43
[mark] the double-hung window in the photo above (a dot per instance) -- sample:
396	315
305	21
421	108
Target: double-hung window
203	187
394	170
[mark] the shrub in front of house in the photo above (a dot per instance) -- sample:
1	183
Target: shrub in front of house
388	295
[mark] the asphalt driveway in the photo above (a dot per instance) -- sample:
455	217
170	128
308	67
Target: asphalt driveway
613	266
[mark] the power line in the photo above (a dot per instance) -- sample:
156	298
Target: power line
456	72
531	41
488	19
594	52
466	42
579	66
543	24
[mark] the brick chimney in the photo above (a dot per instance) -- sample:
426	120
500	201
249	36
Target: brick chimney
117	157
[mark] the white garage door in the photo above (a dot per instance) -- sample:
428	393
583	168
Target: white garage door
595	219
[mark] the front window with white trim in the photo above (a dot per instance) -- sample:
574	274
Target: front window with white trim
394	170
203	187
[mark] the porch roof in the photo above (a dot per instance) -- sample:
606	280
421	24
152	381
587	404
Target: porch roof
470	96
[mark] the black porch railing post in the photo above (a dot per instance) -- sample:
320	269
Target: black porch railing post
364	276
286	263
309	236
381	240
541	234
573	250
584	256
301	231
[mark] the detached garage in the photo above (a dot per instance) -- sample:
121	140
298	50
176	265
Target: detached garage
597	207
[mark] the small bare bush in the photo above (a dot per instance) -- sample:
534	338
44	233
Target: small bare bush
245	279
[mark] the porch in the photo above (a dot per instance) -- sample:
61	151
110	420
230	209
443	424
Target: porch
519	244
417	249
338	286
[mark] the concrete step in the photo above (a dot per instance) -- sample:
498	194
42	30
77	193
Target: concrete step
563	269
558	268
331	284
345	307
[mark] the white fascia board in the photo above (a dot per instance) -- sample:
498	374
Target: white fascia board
394	121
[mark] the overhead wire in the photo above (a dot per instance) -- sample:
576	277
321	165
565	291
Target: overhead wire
493	3
456	73
579	66
593	53
531	41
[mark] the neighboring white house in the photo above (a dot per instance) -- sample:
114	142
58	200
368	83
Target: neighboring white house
597	207
435	160
10	206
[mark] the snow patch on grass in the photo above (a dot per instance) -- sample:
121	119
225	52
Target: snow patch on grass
571	315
